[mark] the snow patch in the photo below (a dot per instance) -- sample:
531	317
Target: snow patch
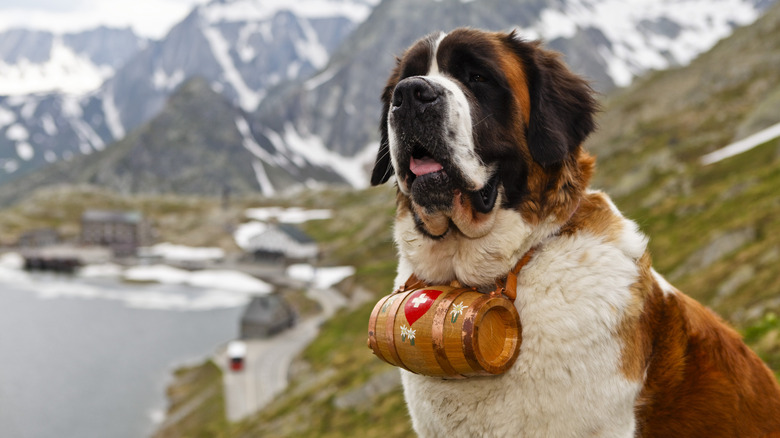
224	280
320	78
251	10
229	280
47	121
701	23
249	141
71	107
6	117
105	270
244	49
17	132
292	215
87	135
164	81
246	231
248	98
25	151
113	118
11	260
320	278
262	178
311	49
313	149
65	71
743	145
182	253
10	165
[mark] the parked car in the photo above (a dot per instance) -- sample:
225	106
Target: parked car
236	352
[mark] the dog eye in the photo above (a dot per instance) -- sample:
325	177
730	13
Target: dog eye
476	77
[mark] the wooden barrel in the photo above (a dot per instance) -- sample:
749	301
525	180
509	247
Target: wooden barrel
446	332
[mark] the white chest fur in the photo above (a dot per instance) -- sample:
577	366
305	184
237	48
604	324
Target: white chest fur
567	380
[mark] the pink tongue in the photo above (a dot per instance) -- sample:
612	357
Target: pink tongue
424	166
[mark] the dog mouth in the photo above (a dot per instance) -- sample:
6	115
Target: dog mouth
434	183
421	163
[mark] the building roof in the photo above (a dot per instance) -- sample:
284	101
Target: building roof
130	217
296	233
267	310
284	239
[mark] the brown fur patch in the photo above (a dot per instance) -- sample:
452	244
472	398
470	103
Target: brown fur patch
557	192
637	344
469	221
702	380
516	77
596	216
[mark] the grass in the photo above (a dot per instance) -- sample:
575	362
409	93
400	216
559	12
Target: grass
198	404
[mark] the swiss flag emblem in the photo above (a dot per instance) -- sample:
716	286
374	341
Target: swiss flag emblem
419	303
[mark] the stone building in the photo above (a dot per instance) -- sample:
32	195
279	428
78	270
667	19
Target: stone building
122	231
265	316
39	238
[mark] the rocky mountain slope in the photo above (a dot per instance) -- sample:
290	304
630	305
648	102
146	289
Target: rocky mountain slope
35	62
608	41
309	83
241	47
199	144
43	76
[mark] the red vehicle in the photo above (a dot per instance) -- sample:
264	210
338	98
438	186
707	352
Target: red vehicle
236	352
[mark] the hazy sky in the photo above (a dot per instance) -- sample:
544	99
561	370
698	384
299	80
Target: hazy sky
151	18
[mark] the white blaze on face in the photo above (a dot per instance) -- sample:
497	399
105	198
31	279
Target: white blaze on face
456	131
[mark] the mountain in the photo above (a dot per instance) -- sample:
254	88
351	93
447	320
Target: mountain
307	74
241	47
43	76
33	61
608	41
198	144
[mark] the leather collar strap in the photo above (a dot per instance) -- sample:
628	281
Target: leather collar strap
506	286
509	288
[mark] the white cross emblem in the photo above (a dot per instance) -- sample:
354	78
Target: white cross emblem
422	299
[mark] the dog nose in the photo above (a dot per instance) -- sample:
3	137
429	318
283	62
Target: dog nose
414	92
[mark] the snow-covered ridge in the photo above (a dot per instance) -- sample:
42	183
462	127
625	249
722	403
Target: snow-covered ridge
65	71
70	63
252	10
646	34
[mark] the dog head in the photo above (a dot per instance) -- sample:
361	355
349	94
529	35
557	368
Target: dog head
474	122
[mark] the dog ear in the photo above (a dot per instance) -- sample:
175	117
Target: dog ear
562	104
383	167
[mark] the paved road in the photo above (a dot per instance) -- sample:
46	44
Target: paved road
268	360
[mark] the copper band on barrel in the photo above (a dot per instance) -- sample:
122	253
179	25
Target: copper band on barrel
372	342
468	332
437	332
390	327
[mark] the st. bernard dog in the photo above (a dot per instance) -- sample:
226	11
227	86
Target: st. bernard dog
483	133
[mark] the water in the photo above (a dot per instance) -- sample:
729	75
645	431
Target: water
92	357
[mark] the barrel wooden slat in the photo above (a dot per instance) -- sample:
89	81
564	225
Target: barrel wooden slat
439	338
445	331
385	324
